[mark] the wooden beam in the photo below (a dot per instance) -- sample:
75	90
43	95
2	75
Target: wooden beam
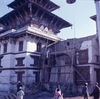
42	16
36	12
36	1
17	19
21	2
52	9
46	5
4	23
52	21
30	8
8	22
12	20
20	15
39	39
56	22
25	11
60	25
47	42
26	14
17	5
49	7
40	2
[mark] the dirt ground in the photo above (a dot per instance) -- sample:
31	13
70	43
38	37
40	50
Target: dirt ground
64	98
78	98
45	95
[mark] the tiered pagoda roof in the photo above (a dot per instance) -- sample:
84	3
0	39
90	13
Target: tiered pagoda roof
46	4
24	13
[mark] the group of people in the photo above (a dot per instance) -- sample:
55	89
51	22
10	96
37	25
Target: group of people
59	95
95	92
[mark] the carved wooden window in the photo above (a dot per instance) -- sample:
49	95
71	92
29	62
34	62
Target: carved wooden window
5	48
20	45
83	56
38	47
20	61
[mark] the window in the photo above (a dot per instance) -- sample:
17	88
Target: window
20	45
37	77
0	60
52	60
38	47
0	48
20	61
20	75
83	56
97	58
5	47
36	61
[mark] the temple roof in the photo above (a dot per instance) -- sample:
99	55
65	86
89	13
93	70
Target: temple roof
47	4
19	15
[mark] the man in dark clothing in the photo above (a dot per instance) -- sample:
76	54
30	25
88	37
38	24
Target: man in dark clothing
96	91
85	91
19	84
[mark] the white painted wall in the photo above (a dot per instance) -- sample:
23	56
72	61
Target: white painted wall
31	46
9	60
87	45
93	50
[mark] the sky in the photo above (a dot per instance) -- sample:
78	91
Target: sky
78	14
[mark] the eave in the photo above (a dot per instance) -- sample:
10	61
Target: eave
93	17
31	31
10	18
15	5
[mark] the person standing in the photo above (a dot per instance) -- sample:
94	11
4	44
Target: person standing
96	91
58	93
85	91
19	84
20	93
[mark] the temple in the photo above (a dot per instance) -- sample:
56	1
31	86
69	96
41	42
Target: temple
26	33
31	51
